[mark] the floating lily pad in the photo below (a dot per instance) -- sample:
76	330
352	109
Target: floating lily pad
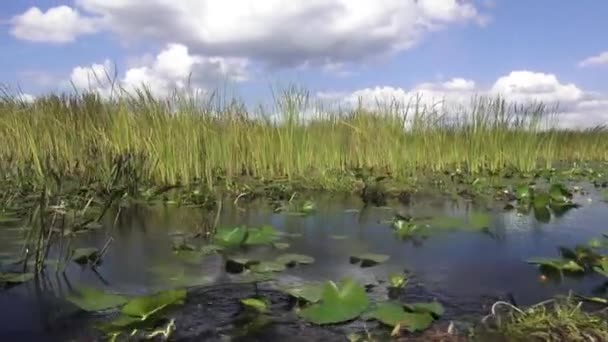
267	266
291	259
558	264
369	259
180	277
397	280
93	300
145	311
393	314
146	306
311	292
308	207
230	237
559	193
11	278
256	304
542	214
339	303
434	308
261	236
524	192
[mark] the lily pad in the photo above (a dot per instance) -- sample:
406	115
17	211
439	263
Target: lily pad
261	236
210	249
291	259
238	264
369	259
558	264
256	304
480	220
267	266
339	303
93	300
393	314
397	280
542	214
146	306
230	237
524	192
308	207
311	292
15	278
559	193
434	308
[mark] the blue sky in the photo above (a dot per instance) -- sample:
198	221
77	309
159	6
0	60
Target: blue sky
335	48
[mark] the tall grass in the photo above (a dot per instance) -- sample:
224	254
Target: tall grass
179	140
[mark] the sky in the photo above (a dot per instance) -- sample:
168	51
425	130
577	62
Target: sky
339	50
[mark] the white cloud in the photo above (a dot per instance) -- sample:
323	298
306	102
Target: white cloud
278	32
522	86
60	24
575	107
171	69
601	59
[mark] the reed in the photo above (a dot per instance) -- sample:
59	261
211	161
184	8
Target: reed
180	140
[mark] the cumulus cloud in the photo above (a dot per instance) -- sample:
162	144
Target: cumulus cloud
601	59
173	68
60	24
278	32
575	107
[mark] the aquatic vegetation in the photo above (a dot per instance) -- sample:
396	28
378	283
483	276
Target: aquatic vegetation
10	278
267	266
602	267
369	259
310	292
397	280
557	200
93	300
339	302
258	305
292	259
553	320
415	317
557	264
241	236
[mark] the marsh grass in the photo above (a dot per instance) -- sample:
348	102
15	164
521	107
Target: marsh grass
139	139
562	319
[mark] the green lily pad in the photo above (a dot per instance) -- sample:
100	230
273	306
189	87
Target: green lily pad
558	264
146	306
541	201
230	237
393	314
339	303
397	280
15	278
267	266
311	292
559	193
434	308
256	304
294	259
369	259
524	192
92	300
261	236
85	255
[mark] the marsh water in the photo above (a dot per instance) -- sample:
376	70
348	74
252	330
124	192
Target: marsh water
462	268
